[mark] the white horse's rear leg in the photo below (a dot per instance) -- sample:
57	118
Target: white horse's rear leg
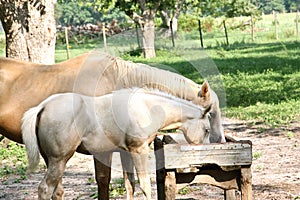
52	178
140	158
128	173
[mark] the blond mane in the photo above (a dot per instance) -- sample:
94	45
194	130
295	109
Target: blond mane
159	93
140	75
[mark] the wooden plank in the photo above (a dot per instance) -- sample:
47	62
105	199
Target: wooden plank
215	177
228	154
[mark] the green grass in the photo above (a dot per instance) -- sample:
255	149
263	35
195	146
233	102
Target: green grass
257	155
2	44
13	161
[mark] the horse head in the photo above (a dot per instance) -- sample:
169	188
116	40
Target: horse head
208	98
197	130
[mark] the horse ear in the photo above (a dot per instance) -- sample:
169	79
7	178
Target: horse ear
204	91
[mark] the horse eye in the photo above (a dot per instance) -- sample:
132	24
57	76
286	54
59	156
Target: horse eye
211	115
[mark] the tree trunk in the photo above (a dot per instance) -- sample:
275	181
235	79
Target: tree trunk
165	17
168	16
30	29
148	31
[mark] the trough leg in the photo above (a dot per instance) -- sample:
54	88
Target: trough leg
229	195
102	164
246	183
170	186
160	169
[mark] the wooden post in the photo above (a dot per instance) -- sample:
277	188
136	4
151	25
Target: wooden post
160	169
104	35
246	183
275	23
137	35
67	43
226	35
170	185
229	195
252	28
172	34
200	32
297	23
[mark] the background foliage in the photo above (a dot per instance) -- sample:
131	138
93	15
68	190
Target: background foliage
71	13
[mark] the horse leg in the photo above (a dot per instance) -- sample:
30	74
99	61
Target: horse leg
59	191
140	158
52	178
128	173
102	164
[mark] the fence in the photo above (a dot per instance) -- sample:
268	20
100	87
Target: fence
245	29
239	30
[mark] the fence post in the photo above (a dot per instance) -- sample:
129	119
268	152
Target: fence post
200	32
275	23
104	35
226	35
137	35
252	28
172	33
297	23
67	43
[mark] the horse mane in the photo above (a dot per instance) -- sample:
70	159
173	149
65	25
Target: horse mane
157	92
140	75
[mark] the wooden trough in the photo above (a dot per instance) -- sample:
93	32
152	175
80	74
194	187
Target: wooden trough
227	166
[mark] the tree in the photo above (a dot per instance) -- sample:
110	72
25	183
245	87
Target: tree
30	29
226	8
268	6
171	14
292	5
71	13
141	12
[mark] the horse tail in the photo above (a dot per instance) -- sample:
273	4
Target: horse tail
29	135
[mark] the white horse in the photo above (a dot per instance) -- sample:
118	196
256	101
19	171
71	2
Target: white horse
126	120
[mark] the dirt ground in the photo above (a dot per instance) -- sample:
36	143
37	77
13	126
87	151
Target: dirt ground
275	169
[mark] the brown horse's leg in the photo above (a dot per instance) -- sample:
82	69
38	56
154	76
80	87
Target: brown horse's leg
102	163
53	176
128	173
59	191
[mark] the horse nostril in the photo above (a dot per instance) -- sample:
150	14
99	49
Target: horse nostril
207	130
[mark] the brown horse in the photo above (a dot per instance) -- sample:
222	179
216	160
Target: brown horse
24	85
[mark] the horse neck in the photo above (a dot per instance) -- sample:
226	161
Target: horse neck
171	108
